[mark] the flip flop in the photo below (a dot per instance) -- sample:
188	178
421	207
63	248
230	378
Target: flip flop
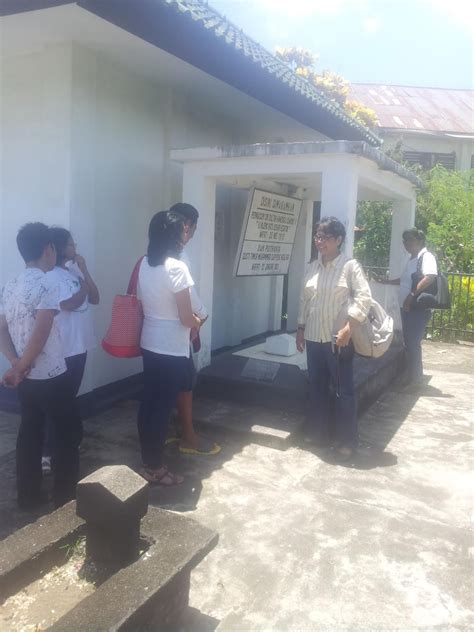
162	477
206	447
171	440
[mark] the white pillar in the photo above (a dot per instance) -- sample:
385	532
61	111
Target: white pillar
403	217
200	191
339	196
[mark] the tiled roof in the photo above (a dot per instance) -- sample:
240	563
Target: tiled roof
215	23
419	109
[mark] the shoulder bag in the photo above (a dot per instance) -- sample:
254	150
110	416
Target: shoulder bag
122	339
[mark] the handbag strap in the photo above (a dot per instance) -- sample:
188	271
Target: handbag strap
133	283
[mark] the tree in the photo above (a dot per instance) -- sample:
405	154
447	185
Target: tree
372	247
445	211
335	87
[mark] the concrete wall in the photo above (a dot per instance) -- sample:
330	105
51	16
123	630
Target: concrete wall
35	147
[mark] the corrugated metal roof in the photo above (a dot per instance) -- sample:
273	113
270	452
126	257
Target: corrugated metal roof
215	23
418	109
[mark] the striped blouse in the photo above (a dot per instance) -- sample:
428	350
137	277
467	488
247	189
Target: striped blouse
327	291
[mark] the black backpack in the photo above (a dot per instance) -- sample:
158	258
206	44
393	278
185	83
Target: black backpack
436	295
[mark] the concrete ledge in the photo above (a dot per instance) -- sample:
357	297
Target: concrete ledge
151	593
36	547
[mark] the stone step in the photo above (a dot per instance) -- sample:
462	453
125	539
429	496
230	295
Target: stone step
271	428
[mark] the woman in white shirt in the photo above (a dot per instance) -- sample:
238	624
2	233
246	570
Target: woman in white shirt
418	276
77	291
164	286
334	291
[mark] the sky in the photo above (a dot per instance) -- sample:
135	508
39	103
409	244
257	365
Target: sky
402	42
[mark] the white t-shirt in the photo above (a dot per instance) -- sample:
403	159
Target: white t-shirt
77	330
196	303
162	329
428	266
20	299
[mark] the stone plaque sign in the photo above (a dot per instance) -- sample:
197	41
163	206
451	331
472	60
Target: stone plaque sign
268	234
260	370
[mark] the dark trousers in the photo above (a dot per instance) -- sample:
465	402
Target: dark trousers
75	366
164	377
414	325
326	369
39	400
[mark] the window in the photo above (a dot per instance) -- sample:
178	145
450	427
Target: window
428	159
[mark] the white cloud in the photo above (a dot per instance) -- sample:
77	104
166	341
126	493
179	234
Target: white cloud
371	25
461	12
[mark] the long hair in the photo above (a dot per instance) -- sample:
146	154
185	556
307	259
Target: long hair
165	237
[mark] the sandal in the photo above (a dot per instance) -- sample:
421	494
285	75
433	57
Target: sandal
162	476
205	448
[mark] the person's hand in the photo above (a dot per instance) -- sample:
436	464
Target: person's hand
343	336
407	303
81	263
300	341
15	375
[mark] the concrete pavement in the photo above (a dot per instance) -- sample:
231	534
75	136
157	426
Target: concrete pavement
384	543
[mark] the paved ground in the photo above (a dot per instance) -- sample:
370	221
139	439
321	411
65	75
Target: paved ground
383	544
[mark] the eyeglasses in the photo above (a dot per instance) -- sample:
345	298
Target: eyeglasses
323	238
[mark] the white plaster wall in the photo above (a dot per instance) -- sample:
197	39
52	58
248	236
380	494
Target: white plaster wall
35	91
242	306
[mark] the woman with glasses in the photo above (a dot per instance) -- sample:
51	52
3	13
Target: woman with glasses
335	294
418	275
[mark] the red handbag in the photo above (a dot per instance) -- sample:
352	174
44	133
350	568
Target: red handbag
122	339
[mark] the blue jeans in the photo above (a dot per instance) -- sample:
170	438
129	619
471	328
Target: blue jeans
414	325
326	367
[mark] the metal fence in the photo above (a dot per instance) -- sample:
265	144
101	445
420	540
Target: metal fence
446	325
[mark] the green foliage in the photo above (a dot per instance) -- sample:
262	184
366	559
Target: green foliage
372	247
458	323
445	211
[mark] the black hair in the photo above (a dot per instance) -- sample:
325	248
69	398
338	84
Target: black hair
189	213
331	226
414	233
32	239
165	234
60	237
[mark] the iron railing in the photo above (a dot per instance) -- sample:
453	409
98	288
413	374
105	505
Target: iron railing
447	325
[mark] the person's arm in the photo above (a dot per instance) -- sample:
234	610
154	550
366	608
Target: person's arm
39	336
385	281
76	299
185	311
6	344
300	341
424	283
94	296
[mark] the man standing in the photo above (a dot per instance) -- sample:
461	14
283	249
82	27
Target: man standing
191	442
30	340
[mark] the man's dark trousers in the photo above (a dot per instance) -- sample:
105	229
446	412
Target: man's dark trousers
41	399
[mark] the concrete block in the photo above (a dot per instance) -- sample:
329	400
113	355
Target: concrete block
283	345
